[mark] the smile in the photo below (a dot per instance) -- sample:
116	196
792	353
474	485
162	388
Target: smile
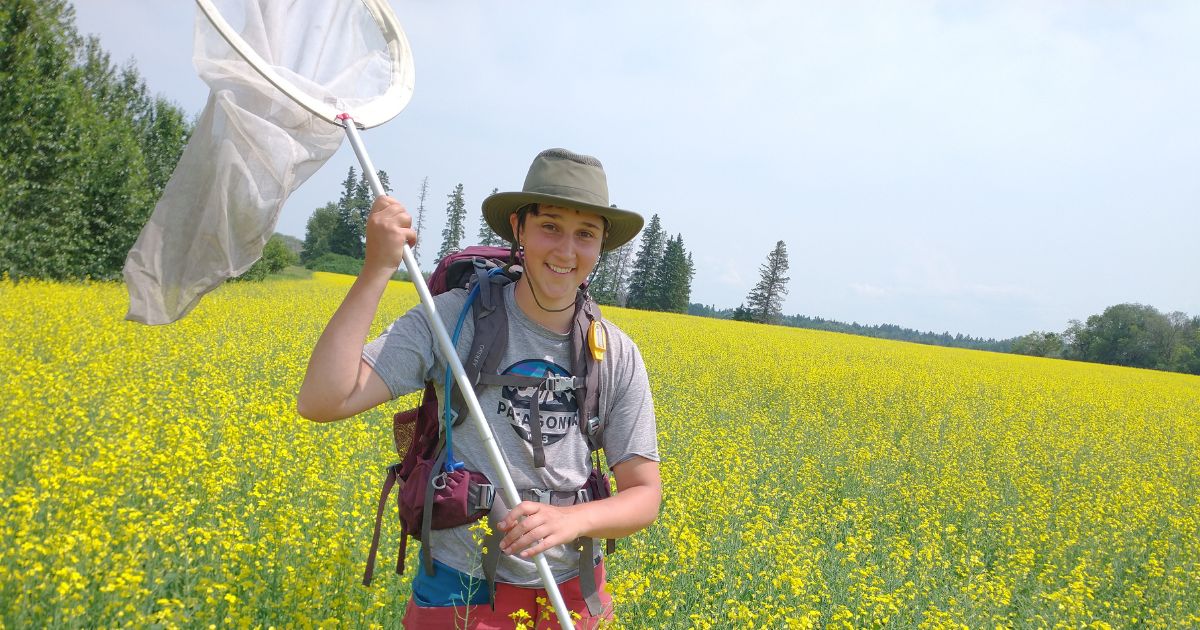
562	270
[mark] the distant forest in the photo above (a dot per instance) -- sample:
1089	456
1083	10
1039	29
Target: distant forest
880	331
1130	335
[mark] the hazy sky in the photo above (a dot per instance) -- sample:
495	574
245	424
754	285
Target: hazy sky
989	168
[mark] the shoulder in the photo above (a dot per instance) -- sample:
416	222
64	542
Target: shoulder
623	353
449	304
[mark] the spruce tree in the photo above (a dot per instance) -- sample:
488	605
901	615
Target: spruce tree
488	236
642	278
610	281
601	284
765	302
674	278
456	213
347	237
384	181
420	222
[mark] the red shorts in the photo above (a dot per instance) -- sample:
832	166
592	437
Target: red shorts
510	599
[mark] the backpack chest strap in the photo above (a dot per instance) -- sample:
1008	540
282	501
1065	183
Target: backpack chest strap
552	384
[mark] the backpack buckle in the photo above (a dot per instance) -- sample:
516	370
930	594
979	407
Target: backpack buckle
541	496
593	425
559	384
582	496
486	496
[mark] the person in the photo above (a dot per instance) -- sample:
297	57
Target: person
559	224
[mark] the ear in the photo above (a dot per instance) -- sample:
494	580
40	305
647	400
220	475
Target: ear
512	221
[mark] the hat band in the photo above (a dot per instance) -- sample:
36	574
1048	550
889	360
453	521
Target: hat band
571	192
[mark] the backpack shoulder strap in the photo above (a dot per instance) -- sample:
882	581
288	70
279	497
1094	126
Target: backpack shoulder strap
491	332
584	364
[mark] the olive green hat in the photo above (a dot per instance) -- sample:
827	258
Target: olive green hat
562	178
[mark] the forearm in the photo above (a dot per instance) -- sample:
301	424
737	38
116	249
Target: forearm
623	514
333	367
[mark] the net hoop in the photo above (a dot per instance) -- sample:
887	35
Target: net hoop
372	114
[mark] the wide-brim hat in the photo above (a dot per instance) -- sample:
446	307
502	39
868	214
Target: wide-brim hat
562	178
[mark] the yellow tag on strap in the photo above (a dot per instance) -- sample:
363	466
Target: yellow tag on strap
597	341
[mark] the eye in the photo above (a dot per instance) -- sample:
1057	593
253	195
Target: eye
587	234
550	227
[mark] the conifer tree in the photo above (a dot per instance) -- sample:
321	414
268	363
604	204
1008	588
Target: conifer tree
674	278
456	213
765	302
419	224
610	279
384	181
347	237
642	278
488	236
601	284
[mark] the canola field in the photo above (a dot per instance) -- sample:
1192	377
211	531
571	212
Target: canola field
160	477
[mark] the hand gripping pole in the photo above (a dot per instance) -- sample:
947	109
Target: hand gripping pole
450	354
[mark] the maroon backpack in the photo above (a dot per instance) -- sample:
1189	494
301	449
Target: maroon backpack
436	491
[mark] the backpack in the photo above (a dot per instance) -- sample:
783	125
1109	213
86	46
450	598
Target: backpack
436	490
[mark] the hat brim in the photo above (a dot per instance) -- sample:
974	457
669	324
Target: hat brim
623	225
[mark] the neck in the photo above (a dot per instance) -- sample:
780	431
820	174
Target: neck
559	322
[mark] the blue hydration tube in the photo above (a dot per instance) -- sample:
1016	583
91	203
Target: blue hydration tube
453	464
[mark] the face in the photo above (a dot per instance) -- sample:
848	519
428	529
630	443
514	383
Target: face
562	246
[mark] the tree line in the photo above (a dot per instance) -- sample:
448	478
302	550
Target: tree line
85	149
1133	335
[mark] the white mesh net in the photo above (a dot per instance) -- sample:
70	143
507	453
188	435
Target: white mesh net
280	71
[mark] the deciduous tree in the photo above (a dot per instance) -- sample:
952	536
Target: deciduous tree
319	232
84	150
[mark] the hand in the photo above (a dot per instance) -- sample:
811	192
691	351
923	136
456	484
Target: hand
542	527
388	229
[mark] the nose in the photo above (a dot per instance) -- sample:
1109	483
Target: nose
565	249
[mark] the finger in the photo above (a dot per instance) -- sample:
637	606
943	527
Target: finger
392	211
521	528
528	539
383	201
523	509
539	546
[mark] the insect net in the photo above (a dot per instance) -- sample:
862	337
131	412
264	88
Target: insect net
280	72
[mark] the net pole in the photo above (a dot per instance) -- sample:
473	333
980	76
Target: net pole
450	354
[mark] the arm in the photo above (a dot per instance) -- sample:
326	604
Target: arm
633	508
338	383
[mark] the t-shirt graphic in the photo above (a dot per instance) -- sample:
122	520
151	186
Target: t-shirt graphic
559	410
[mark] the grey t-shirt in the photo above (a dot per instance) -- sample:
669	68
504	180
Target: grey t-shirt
405	357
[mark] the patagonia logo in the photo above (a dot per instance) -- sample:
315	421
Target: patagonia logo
558	410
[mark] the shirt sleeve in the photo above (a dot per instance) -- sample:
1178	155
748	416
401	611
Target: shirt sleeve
629	424
405	355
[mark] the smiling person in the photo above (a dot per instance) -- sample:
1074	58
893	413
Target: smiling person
558	224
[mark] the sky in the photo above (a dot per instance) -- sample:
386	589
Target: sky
985	168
